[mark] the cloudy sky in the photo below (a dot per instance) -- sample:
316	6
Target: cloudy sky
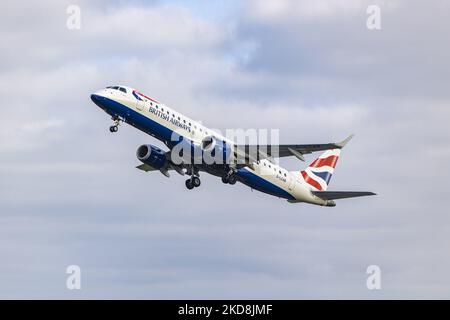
70	195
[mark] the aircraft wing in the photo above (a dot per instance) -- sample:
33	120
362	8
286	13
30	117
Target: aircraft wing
165	170
146	168
286	150
333	195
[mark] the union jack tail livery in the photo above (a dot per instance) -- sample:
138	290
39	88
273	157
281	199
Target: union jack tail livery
319	173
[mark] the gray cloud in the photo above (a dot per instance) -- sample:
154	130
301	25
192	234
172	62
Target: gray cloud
69	192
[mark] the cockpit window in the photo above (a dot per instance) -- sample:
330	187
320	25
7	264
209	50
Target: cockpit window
123	89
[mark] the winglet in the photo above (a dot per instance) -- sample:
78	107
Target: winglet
344	142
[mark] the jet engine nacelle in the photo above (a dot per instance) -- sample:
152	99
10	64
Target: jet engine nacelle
215	151
151	155
208	143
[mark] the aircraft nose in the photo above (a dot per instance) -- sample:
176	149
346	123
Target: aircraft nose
94	97
97	99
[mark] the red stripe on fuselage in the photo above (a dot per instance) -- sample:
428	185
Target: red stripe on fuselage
146	96
311	181
329	161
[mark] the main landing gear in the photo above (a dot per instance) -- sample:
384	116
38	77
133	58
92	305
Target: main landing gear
193	182
230	177
115	126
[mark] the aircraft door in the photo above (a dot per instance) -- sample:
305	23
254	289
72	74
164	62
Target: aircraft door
291	182
140	105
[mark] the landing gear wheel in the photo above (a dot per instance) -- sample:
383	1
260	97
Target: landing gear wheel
196	181
225	179
115	126
189	184
232	179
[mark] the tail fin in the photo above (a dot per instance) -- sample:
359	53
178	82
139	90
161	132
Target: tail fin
320	171
318	174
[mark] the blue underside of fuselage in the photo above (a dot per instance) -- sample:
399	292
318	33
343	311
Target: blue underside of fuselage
164	134
258	183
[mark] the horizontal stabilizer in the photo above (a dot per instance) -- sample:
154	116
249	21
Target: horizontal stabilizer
333	195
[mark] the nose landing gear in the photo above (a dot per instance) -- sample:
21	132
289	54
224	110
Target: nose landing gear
115	126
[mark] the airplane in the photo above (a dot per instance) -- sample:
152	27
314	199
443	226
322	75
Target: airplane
191	144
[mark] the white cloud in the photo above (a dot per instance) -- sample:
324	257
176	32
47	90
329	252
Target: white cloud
161	27
40	127
278	10
109	32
